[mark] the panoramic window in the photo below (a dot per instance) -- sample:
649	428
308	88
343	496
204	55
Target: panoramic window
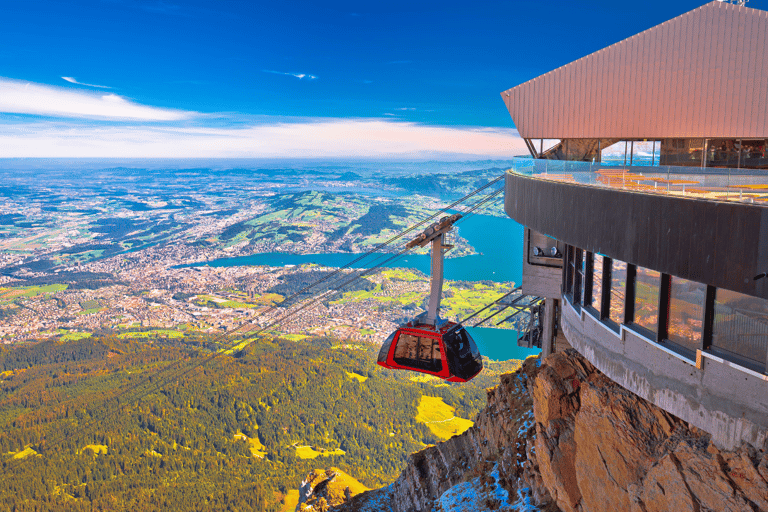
618	291
418	352
646	152
723	152
683	152
754	154
741	326
647	286
597	281
569	270
686	312
578	277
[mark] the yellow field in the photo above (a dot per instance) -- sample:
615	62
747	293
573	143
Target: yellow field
293	337
167	333
291	501
95	448
459	301
402	275
429	379
440	419
307	452
8	293
26	452
353	375
74	336
257	449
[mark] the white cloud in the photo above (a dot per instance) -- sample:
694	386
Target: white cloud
318	138
20	97
300	76
74	81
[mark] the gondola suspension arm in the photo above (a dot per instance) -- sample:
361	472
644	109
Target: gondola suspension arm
436	235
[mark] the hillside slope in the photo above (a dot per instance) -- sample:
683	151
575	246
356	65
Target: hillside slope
118	424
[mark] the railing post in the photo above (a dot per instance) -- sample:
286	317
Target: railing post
709	318
664	296
765	370
629	294
605	299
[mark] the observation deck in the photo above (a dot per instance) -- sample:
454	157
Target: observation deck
658	281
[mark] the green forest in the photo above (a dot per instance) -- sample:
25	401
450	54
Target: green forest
105	423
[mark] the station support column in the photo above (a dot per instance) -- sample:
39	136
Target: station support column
548	327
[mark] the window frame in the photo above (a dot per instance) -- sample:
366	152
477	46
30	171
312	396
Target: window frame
583	297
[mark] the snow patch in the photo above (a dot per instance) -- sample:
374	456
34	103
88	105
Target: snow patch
477	495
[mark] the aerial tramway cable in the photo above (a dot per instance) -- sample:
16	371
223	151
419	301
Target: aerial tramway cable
176	370
336	288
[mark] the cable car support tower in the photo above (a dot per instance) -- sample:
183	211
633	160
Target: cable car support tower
435	234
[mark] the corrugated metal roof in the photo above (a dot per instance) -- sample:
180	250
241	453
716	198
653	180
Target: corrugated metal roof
703	74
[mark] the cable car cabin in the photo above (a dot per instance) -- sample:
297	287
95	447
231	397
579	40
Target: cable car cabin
448	351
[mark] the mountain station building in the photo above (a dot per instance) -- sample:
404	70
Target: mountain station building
645	203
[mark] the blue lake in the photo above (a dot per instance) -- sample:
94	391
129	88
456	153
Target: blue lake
498	241
499	344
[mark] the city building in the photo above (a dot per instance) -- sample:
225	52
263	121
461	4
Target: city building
645	204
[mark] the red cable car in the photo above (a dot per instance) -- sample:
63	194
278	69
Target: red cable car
448	352
428	344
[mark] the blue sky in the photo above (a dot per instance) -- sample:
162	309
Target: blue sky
287	78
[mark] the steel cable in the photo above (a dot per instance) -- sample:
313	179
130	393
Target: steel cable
160	380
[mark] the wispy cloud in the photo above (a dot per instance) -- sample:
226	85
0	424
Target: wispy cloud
20	97
308	138
413	109
74	81
98	124
300	76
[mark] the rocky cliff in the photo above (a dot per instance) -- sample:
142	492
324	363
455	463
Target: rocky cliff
562	436
479	469
600	447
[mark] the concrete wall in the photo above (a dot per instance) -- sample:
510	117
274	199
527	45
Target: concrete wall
542	276
718	243
722	399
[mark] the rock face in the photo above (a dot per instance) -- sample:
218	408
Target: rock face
600	447
491	456
562	436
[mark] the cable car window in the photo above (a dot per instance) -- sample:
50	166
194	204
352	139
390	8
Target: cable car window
385	348
418	352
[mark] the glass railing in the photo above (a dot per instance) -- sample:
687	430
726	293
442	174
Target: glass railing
712	183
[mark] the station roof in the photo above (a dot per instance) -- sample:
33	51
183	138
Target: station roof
703	74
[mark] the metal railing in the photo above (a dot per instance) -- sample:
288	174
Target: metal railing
711	183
